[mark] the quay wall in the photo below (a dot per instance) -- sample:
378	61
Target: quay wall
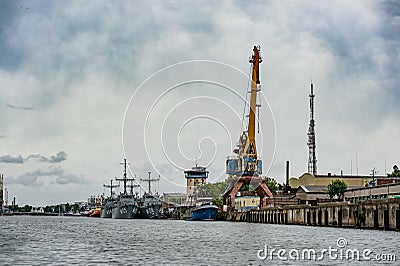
379	214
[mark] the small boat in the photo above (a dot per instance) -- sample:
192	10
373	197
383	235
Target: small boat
205	210
95	212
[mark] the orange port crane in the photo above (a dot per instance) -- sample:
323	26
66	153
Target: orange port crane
250	150
247	167
247	163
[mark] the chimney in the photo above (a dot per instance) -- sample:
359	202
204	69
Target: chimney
287	173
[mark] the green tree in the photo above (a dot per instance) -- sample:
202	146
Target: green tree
271	184
75	207
67	207
214	190
218	202
395	173
26	208
337	188
57	209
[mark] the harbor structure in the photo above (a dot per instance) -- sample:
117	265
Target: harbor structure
378	214
194	177
312	156
324	180
1	192
245	170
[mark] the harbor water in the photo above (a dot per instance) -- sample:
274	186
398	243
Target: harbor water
35	240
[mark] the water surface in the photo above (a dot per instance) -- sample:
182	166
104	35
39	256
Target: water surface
32	240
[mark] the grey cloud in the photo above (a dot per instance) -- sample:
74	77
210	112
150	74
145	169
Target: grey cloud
26	108
70	178
38	157
59	157
10	58
11	159
33	178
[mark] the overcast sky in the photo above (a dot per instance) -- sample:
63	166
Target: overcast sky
71	70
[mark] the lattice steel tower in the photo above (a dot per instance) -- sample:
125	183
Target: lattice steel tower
312	157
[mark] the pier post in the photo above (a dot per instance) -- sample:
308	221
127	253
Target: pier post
326	217
376	219
340	217
386	220
319	217
398	220
314	217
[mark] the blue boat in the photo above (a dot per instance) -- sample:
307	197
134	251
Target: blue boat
205	211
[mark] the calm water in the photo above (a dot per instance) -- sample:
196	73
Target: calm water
80	240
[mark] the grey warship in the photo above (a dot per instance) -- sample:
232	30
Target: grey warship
107	204
150	206
125	206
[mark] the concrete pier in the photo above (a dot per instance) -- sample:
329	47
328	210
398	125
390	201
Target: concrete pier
379	214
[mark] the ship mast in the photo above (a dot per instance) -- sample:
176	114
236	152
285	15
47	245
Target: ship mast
149	180
111	186
125	178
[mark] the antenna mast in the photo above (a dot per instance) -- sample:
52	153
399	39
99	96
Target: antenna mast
125	178
149	180
111	186
312	157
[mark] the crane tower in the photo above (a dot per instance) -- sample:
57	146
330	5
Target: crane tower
246	167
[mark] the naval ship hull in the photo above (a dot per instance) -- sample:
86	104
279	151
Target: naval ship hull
106	211
150	207
150	212
124	211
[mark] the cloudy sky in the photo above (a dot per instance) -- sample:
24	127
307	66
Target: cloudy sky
83	83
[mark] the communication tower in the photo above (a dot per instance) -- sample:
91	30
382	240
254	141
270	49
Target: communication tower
312	157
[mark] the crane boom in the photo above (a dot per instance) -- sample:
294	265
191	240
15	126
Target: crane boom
246	168
247	162
250	148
